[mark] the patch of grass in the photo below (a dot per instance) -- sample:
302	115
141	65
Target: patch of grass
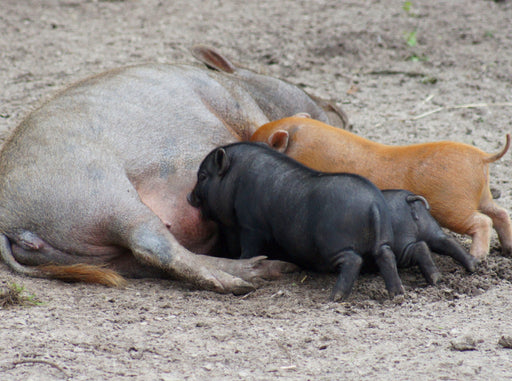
411	38
15	295
407	6
416	58
429	80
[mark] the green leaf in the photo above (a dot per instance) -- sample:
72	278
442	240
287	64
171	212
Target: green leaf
407	6
411	39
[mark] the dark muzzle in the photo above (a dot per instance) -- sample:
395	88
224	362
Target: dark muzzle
193	200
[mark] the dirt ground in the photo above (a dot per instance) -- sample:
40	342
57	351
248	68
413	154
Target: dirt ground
459	55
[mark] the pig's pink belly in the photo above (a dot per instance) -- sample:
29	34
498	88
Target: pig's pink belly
183	221
189	228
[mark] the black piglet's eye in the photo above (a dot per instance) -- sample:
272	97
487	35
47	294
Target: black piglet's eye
201	176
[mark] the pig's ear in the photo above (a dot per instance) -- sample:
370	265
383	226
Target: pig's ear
222	161
302	115
279	140
212	59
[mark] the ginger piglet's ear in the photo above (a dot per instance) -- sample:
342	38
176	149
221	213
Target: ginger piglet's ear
279	140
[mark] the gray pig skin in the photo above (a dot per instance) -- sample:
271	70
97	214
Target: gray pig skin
94	182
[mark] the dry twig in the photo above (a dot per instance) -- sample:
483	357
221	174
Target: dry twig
14	364
470	105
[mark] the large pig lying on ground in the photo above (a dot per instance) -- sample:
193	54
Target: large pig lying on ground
272	203
453	177
415	232
98	176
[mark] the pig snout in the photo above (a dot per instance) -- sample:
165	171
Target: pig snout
193	200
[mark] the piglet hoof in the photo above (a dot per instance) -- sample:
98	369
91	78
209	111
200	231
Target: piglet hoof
472	264
396	291
434	278
506	251
338	295
398	299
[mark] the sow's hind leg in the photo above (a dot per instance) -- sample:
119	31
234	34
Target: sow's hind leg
108	226
29	255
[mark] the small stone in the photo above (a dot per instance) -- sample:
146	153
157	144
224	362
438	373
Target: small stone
506	342
280	294
208	367
135	353
466	343
496	193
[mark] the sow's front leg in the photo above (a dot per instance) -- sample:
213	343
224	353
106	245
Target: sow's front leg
250	246
151	243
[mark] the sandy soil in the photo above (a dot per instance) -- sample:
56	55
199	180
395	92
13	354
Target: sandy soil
351	51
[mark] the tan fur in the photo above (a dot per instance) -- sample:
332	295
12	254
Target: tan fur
453	177
84	273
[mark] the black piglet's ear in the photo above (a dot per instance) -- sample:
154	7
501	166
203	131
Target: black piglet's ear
222	161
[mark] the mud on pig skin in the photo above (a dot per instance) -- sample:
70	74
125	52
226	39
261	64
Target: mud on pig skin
416	232
94	182
453	177
270	203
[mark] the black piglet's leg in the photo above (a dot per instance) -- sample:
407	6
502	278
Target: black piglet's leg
386	262
420	254
446	245
349	264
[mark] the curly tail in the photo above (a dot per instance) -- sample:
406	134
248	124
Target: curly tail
499	155
79	272
376	221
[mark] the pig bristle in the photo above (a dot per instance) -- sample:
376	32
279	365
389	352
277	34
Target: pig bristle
84	273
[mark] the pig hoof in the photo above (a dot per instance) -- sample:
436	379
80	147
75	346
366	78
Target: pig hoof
224	283
394	293
236	286
473	264
270	269
398	299
506	251
242	288
434	278
338	296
